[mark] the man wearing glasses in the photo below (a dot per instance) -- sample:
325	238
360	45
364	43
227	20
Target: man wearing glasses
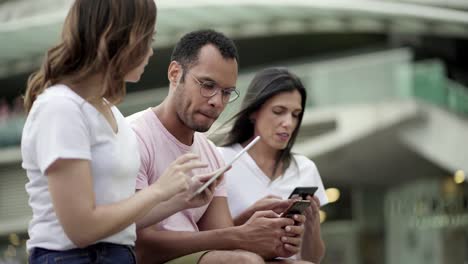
202	78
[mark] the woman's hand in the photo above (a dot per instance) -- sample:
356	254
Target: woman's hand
268	203
273	203
312	213
175	179
187	200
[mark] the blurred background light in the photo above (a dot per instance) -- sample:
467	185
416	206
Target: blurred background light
333	194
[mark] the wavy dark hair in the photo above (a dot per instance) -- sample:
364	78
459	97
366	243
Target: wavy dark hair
266	84
110	37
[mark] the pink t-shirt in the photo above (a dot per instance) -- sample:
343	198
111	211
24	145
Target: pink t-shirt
158	149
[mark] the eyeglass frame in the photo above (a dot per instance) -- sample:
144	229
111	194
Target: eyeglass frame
216	88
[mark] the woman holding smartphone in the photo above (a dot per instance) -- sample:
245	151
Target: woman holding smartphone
80	155
264	178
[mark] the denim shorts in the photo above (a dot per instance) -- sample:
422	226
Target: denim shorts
98	253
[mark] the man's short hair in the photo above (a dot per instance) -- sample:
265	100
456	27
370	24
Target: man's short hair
187	49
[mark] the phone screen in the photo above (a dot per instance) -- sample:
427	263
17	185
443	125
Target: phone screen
296	208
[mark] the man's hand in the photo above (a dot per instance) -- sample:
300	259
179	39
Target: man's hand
262	234
294	234
308	221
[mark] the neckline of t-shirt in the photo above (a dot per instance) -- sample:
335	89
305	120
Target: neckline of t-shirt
85	102
166	132
251	163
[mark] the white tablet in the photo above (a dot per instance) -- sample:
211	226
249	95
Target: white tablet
224	169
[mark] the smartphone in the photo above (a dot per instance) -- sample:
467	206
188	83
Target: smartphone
296	208
303	192
225	168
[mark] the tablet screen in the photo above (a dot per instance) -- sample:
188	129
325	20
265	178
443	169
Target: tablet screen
223	169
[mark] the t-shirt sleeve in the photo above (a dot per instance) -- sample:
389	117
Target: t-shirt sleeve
320	193
142	180
220	190
62	132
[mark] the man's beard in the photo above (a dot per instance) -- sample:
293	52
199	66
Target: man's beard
183	115
188	122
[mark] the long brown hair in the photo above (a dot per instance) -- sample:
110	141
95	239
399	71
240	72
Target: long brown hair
110	37
266	84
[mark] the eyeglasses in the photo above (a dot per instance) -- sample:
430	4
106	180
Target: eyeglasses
209	89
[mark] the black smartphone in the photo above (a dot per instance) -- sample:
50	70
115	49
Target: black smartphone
303	192
296	208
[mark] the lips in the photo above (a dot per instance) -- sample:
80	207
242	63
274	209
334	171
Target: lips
283	136
209	114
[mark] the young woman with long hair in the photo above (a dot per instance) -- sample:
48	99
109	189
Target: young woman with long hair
263	179
80	155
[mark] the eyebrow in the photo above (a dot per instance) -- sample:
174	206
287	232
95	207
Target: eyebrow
284	107
205	78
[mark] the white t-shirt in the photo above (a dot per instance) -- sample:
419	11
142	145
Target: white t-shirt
246	183
61	124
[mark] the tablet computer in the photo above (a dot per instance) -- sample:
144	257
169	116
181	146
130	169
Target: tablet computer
225	168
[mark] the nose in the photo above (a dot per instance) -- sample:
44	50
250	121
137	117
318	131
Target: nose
287	121
216	100
150	53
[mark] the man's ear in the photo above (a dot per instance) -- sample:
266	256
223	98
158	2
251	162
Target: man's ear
174	73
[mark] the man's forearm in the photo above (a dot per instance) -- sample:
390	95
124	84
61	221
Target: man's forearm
160	246
244	216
